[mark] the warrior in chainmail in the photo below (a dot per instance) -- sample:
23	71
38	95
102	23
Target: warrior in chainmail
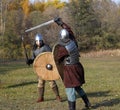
38	48
73	73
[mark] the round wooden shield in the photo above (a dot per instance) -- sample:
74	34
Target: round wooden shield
58	65
45	67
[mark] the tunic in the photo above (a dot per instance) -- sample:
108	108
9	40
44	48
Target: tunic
73	74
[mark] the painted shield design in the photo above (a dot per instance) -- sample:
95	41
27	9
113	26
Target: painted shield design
58	65
45	67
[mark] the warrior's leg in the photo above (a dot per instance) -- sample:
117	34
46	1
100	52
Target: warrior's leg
41	84
71	98
54	87
84	97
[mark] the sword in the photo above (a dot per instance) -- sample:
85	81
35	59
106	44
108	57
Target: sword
41	25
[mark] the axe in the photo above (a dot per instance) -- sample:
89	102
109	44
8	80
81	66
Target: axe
41	25
25	50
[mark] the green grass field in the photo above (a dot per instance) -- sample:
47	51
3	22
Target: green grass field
18	86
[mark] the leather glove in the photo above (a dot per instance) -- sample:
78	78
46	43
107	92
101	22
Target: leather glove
58	21
29	61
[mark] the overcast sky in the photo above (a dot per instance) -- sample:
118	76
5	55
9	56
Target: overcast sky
117	1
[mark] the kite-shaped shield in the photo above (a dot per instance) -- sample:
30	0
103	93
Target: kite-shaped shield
59	65
45	67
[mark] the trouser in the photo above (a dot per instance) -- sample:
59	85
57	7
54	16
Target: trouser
41	87
71	95
41	83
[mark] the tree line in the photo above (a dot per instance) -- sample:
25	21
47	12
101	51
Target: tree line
95	23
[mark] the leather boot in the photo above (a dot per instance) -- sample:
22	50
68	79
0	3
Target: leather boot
84	97
86	101
41	95
56	91
72	105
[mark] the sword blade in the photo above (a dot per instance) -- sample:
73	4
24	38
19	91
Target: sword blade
41	25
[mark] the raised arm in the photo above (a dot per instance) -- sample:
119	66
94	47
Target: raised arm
65	26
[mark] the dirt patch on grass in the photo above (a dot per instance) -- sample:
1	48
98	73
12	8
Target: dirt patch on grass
101	53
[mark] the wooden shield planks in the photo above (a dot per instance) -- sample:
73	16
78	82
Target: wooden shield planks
40	63
58	65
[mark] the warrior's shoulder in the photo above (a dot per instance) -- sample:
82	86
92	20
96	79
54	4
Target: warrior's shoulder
46	46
